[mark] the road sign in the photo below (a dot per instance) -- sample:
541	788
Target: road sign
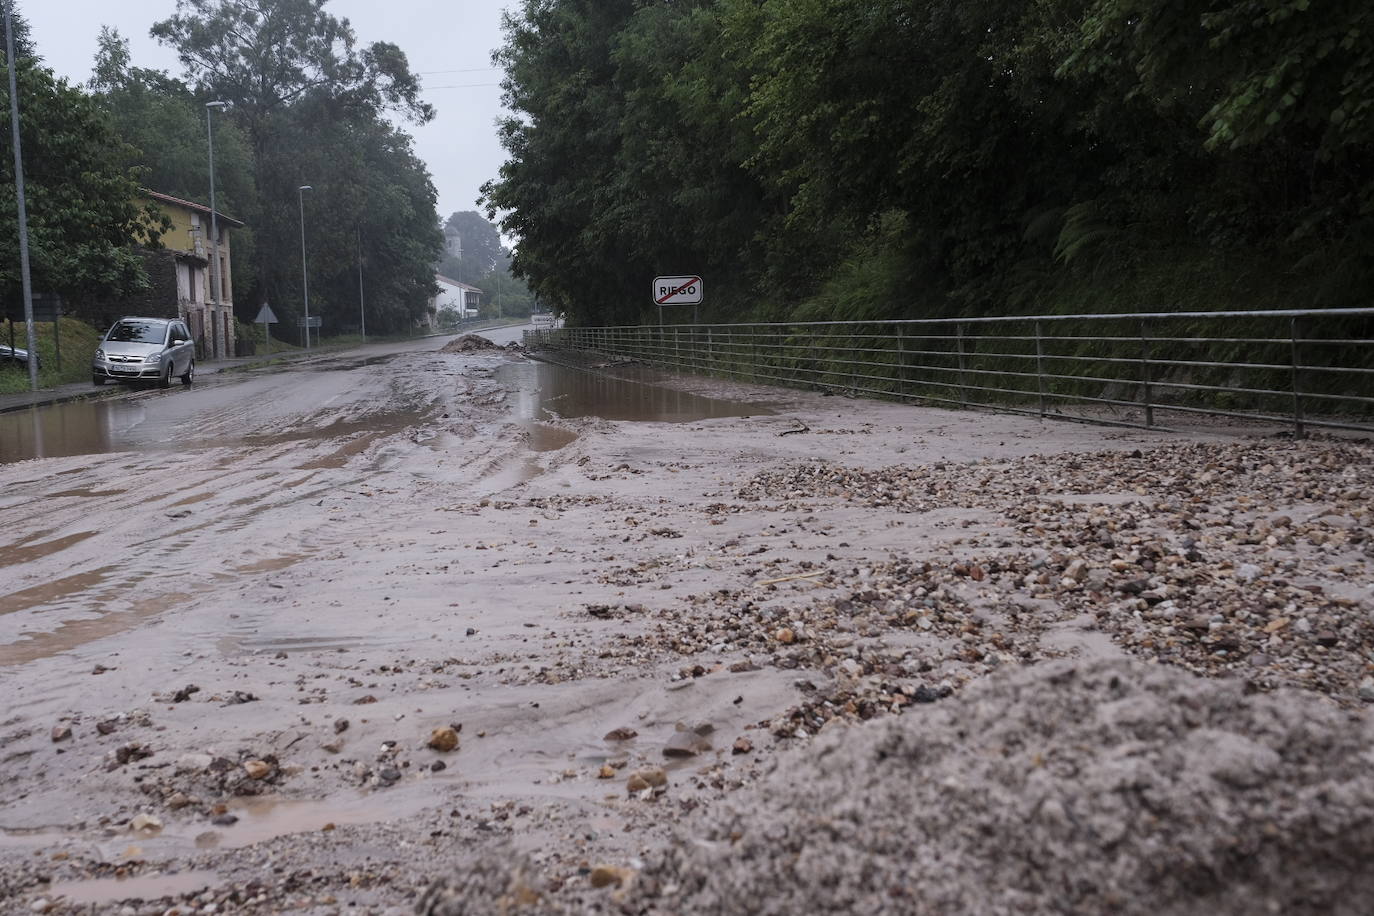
312	321
265	315
677	290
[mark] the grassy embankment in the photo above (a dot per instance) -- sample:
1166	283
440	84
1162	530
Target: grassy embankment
77	341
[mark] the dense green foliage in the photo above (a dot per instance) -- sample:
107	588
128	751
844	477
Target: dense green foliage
81	191
871	158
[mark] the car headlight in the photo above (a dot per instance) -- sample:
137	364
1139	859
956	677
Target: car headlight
153	358
99	354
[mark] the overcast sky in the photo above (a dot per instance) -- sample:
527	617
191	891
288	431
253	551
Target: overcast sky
438	36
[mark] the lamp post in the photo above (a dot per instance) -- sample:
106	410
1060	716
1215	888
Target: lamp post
305	277
215	343
25	284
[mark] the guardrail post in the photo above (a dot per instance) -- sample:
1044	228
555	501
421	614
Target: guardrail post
902	382
1147	376
959	343
1040	368
1299	429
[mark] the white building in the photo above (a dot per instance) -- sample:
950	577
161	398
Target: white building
460	297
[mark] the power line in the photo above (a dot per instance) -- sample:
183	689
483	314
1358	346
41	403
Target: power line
460	86
473	70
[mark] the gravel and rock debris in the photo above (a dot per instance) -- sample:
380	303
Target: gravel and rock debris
1069	786
1057	678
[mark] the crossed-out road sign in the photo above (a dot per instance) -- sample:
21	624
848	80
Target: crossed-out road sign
677	290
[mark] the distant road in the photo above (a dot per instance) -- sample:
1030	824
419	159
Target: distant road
504	336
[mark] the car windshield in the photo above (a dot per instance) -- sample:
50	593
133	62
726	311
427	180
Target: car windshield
138	332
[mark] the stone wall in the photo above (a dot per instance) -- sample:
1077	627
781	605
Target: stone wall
159	300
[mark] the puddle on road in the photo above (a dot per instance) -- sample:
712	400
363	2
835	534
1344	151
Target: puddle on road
84	493
76	428
140	887
119	425
546	390
51	591
545	438
9	556
262	819
72	634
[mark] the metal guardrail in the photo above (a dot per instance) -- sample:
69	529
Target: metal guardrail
1304	367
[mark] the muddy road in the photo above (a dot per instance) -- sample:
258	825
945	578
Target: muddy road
302	638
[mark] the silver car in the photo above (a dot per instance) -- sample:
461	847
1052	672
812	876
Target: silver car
147	349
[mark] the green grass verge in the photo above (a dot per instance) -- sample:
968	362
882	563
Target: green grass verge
78	341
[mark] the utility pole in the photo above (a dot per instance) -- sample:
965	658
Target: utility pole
305	277
362	315
216	327
25	282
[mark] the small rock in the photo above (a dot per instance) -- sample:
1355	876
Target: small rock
443	739
178	800
606	772
1326	638
646	778
334	746
388	776
184	694
41	905
224	820
145	823
193	763
1367	690
1247	572
257	769
61	733
686	744
610	876
364	701
742	746
107	727
438	766
621	734
785	636
924	694
1077	570
340	726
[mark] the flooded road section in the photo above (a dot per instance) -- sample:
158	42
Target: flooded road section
236	614
547	391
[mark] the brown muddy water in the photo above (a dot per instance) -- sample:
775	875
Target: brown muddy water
75	428
546	391
140	887
542	391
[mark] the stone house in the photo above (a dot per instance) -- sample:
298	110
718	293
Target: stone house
179	280
208	312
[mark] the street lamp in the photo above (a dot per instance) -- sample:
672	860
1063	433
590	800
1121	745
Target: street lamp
305	279
214	239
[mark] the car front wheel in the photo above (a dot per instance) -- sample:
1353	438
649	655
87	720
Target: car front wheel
165	379
190	375
98	380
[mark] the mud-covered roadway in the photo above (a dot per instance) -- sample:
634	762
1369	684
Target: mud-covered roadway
230	635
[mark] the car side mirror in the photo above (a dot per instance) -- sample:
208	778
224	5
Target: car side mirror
177	341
